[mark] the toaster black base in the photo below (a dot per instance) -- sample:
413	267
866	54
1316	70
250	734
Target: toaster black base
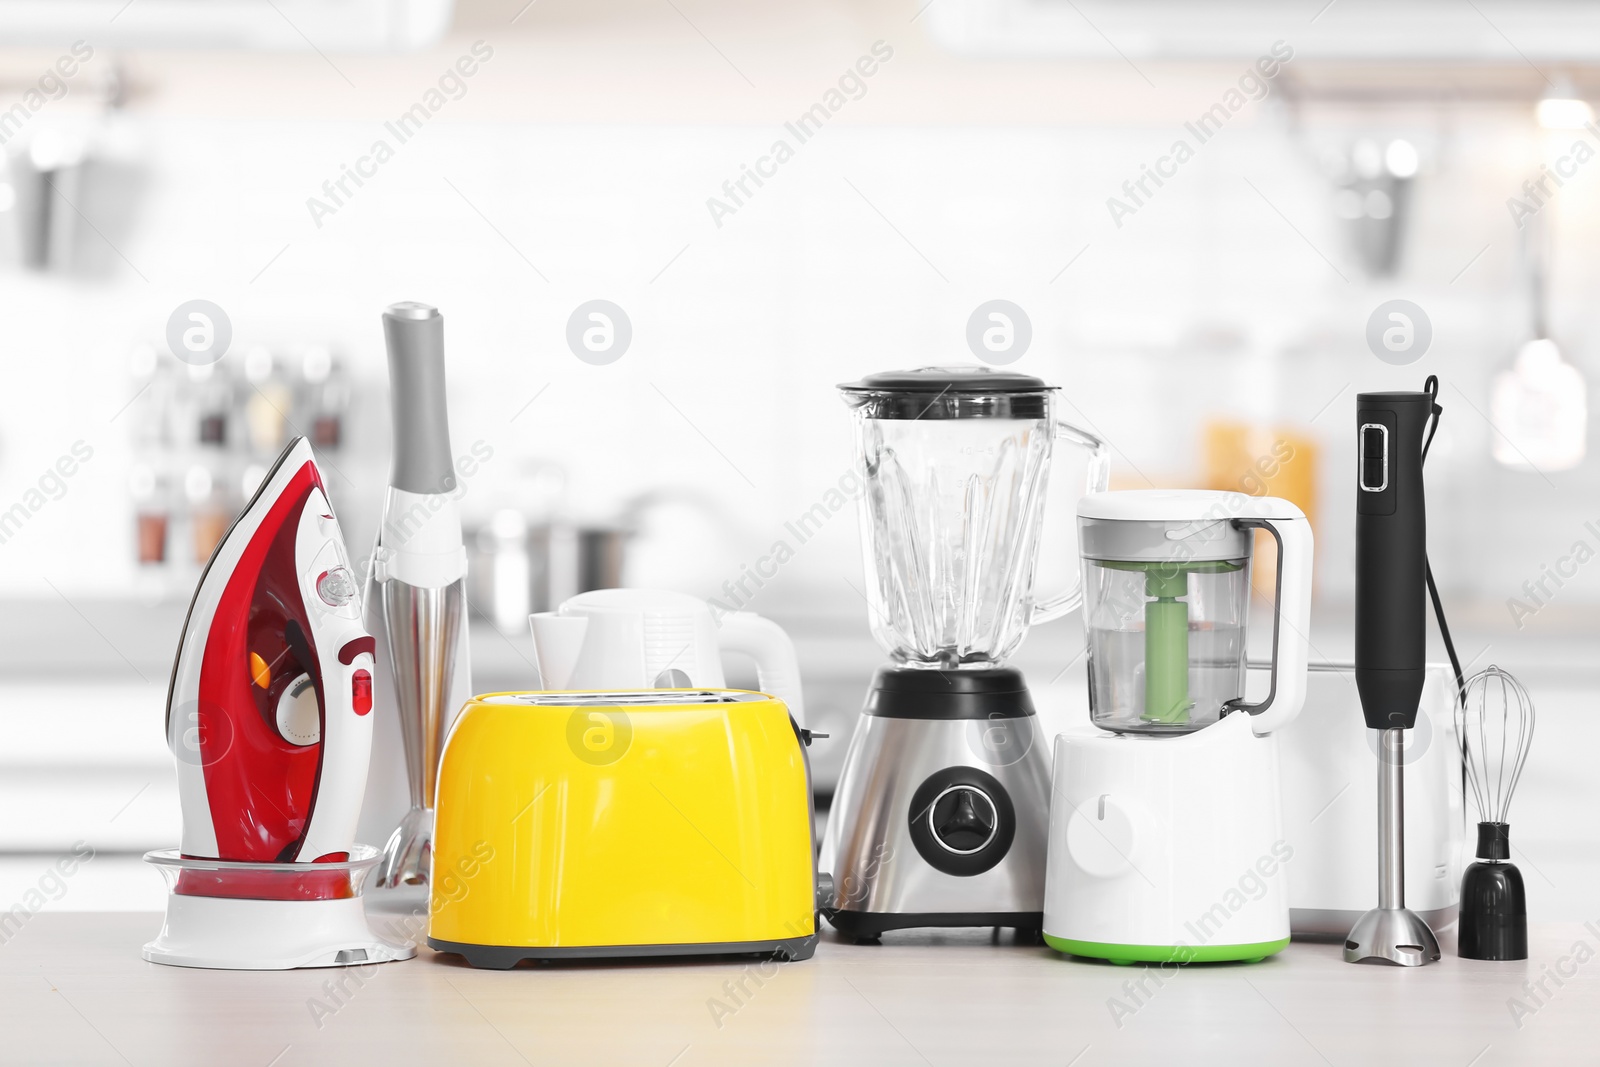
866	925
505	957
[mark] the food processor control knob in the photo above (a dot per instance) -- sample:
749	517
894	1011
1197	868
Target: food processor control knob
1101	837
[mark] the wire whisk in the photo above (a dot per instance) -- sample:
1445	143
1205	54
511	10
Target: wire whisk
1494	728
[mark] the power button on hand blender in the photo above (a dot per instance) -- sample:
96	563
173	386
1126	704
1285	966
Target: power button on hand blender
1374	457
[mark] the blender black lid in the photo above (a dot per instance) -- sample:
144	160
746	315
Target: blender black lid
964	379
968	392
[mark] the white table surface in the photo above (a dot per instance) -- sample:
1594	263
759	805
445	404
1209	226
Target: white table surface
73	990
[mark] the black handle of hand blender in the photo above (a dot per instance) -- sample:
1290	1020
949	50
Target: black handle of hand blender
414	336
1391	557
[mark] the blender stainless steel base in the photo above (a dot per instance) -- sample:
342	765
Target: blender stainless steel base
940	820
1390	933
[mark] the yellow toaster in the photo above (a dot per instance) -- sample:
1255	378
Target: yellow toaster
601	824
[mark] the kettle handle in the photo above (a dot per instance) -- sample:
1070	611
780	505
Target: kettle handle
777	668
1099	477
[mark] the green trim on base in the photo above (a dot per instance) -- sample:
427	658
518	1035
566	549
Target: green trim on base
1179	954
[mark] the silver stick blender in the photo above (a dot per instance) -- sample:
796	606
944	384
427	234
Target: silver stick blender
416	591
1391	649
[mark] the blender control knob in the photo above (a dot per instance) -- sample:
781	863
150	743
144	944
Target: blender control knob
963	819
1101	838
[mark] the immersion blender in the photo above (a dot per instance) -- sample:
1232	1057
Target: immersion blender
1391	648
418	576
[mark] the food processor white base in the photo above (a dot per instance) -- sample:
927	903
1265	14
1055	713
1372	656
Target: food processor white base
1167	848
230	933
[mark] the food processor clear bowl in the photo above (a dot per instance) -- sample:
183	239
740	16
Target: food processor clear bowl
956	462
1166	623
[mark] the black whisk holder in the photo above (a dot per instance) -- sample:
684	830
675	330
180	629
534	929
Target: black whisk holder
1494	906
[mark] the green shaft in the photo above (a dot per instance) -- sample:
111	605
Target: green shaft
1166	646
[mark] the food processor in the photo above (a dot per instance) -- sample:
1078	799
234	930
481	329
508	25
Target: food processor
1166	835
941	810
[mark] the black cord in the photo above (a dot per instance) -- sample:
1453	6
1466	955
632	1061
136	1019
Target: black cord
1431	387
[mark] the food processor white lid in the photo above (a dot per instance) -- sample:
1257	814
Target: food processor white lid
1184	505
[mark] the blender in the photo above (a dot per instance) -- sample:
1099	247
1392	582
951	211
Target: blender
941	810
1166	835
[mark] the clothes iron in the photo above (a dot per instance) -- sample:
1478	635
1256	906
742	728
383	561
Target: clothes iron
268	714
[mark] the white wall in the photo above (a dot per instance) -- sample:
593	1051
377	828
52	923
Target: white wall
808	285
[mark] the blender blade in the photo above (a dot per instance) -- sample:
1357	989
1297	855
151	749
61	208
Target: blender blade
408	854
1391	935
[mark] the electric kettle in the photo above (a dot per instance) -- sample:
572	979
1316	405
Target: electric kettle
658	639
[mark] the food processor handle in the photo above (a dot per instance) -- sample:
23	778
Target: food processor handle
1098	477
1291	624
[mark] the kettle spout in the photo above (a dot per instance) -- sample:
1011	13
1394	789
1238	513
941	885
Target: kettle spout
557	644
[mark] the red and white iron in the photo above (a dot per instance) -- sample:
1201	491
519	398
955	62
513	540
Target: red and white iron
268	714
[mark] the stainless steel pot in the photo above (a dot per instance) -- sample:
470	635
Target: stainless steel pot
516	567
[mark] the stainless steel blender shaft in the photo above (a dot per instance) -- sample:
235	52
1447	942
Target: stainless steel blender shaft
1391	820
1390	933
424	626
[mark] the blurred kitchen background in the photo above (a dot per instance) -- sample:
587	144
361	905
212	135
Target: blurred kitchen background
1214	327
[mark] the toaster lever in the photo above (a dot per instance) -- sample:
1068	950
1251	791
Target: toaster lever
824	890
808	736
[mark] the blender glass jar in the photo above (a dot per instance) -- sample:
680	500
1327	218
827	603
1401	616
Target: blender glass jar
1165	607
956	461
